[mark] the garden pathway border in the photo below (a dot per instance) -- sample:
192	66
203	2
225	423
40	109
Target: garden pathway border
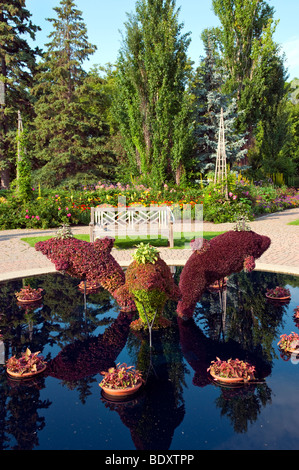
18	259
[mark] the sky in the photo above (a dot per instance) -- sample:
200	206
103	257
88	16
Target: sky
105	20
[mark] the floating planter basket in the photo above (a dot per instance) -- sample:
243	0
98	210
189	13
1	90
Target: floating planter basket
121	381
28	365
28	295
278	294
232	371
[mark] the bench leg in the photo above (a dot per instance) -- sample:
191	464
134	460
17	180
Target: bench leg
171	242
91	233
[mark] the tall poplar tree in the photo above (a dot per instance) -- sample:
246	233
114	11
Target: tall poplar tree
241	37
17	62
69	136
257	74
152	109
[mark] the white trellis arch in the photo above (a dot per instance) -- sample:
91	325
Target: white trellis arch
221	169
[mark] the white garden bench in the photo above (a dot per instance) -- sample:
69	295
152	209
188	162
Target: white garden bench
128	221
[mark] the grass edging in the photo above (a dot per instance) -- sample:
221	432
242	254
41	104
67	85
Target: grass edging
129	242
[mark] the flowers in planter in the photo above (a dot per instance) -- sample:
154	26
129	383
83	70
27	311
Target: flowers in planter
64	232
219	284
289	343
28	363
91	286
232	369
249	264
242	224
278	293
29	294
121	377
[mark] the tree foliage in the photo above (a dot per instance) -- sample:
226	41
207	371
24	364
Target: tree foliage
208	101
69	136
257	76
17	62
150	114
152	105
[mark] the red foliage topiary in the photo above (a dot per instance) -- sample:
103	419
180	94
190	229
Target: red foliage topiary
151	276
225	256
149	285
84	260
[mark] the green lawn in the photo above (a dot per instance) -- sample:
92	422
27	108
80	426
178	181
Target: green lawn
295	222
130	242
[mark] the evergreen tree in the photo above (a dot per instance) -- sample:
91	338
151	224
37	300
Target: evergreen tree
152	108
17	61
208	101
69	136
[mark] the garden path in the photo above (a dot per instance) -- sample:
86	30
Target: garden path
18	259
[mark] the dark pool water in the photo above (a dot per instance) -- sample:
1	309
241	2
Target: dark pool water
179	408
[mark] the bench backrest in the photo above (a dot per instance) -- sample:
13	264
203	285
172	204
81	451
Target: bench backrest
136	220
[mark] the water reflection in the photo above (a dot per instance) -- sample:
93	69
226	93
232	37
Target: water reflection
159	409
80	337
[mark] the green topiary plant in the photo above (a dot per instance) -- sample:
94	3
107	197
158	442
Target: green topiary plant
150	282
145	253
64	232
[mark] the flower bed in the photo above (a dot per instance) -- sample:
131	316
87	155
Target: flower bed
52	208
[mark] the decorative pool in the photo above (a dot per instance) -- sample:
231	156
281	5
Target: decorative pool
179	408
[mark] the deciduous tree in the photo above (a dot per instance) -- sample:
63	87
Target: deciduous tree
152	108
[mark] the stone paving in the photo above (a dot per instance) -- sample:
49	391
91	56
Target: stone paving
18	259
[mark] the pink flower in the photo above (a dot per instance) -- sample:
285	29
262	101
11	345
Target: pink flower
230	194
235	197
68	215
26	210
26	216
37	217
59	208
66	208
32	217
